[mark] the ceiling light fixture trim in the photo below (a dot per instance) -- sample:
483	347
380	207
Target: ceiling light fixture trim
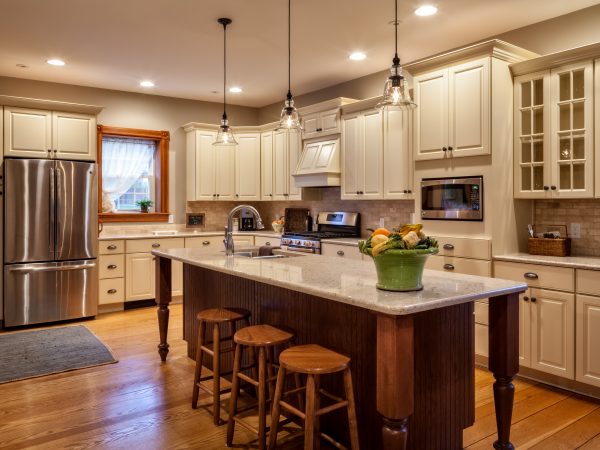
426	10
147	83
56	62
225	136
357	56
290	119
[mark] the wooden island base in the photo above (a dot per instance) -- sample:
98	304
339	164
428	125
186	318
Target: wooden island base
443	358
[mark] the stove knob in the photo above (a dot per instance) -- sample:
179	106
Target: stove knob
310	244
297	242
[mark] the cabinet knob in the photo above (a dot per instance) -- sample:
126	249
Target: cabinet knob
526	298
340	253
450	148
205	242
111	266
111	247
218	195
405	191
531	276
448	266
55	151
319	129
444	149
448	247
533	299
156	245
270	195
268	243
357	192
409	191
546	188
553	188
111	291
49	150
362	192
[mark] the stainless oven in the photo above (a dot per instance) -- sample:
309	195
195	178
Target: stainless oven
452	198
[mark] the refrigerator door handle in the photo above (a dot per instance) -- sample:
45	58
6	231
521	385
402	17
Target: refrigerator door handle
52	212
52	269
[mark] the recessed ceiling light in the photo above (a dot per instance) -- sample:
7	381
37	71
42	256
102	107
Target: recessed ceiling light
146	83
426	10
56	62
235	89
357	56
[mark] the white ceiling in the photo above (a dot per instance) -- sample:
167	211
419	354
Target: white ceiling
178	44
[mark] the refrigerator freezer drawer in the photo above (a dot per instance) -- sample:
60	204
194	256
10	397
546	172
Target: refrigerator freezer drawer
49	292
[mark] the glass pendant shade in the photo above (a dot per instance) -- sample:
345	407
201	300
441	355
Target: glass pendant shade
395	92
290	119
225	135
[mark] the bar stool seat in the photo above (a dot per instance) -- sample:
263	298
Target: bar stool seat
216	317
313	359
262	336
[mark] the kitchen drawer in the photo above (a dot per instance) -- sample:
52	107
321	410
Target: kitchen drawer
537	275
481	313
147	245
111	290
481	339
110	247
207	242
460	265
465	247
341	251
111	266
588	282
259	241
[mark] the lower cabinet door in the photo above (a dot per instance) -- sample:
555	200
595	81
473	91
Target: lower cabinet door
588	339
481	339
176	278
553	332
525	329
139	276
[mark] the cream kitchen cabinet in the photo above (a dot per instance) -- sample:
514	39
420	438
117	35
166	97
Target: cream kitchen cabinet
139	279
247	167
279	164
453	114
341	251
588	339
33	133
398	169
266	165
322	123
597	124
362	155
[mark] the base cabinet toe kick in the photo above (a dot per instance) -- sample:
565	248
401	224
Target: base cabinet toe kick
401	364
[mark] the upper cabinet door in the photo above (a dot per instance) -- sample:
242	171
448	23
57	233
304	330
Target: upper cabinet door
266	165
27	133
310	124
247	167
397	155
532	125
74	136
572	131
201	165
597	115
351	144
431	115
469	108
330	121
294	150
225	172
280	163
370	168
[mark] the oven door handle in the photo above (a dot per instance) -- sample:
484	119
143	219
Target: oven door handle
302	249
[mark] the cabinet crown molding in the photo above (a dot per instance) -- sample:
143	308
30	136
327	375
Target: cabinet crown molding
556	59
192	126
326	105
494	47
50	105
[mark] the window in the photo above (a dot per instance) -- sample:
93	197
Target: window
133	166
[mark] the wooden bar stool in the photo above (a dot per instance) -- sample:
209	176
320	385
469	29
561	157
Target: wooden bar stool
215	316
263	338
314	360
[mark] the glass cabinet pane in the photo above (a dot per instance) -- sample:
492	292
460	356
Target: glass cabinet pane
526	122
538	178
565	86
538	92
578	119
538	120
525	152
578	84
526	95
526	178
538	151
579	176
564	150
578	147
565	117
565	176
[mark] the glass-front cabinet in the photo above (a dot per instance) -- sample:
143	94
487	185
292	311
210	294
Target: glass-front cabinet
553	142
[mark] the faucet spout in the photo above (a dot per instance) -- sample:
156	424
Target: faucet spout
228	241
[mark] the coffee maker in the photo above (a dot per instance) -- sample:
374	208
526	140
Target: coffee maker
247	221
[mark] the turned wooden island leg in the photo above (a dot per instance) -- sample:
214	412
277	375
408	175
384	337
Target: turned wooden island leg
504	361
395	378
163	298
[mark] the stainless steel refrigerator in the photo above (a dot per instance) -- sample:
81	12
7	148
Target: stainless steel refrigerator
50	241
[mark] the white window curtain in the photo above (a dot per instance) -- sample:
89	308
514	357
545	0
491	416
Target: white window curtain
124	160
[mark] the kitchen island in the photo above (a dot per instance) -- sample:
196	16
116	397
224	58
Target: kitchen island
412	353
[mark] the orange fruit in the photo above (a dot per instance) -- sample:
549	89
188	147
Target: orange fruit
382	231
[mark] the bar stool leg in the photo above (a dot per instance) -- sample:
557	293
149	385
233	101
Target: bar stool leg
309	421
262	398
271	373
276	408
317	422
235	390
216	375
198	370
352	423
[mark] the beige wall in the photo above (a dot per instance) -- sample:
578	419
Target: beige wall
561	33
132	110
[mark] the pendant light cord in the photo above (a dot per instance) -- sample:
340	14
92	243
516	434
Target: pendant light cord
396	59
289	94
224	70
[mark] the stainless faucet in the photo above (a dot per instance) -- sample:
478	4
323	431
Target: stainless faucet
228	241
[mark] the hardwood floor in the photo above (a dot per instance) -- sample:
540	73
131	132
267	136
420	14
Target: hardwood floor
142	404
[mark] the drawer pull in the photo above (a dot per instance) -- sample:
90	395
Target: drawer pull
448	247
156	245
111	266
340	253
268	243
531	276
205	242
111	247
111	291
526	298
533	299
449	266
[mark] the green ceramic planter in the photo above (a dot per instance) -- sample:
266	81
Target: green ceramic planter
401	270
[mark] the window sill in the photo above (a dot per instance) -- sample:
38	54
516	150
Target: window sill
133	217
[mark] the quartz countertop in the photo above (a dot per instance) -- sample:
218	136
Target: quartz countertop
185	233
574	262
352	282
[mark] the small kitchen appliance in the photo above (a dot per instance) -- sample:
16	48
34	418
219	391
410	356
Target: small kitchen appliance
330	225
246	221
452	198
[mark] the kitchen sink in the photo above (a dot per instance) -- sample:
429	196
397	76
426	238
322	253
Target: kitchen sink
274	253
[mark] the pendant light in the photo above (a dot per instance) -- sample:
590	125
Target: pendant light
290	119
395	91
225	135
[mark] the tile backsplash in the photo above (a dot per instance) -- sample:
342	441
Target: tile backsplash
394	212
566	212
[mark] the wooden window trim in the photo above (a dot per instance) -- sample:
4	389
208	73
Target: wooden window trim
161	175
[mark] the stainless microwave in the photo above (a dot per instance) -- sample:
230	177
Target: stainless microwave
452	198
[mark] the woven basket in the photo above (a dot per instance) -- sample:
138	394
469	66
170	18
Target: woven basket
549	247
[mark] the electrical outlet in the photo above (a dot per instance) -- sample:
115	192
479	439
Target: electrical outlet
575	230
381	222
171	218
